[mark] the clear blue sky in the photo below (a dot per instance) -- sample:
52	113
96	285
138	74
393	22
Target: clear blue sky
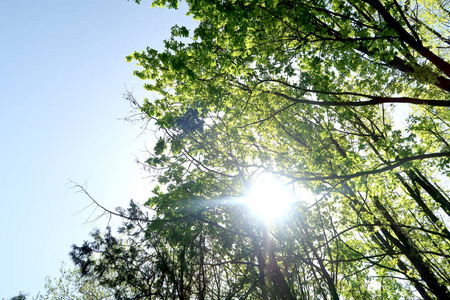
62	74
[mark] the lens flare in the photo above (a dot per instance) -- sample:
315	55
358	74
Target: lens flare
269	199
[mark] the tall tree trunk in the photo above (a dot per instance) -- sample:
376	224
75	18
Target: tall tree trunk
283	291
407	247
325	275
402	266
381	237
417	176
428	212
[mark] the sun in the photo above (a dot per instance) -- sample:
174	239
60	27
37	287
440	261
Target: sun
269	199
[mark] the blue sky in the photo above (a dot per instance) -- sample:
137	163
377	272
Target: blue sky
62	75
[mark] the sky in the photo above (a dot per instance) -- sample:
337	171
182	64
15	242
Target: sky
62	77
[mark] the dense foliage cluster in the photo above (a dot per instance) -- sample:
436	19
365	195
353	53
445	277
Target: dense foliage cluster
305	90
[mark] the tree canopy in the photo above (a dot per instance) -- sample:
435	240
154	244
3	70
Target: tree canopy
307	91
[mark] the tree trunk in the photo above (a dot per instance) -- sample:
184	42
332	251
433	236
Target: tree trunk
407	247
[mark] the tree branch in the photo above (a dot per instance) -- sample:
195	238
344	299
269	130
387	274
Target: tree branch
376	100
392	166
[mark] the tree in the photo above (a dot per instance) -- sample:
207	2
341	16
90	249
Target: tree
304	90
24	296
71	285
21	296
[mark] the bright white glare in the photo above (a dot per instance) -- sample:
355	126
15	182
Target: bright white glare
269	199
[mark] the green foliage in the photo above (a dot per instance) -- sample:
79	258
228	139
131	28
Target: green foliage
303	90
21	296
24	296
72	285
